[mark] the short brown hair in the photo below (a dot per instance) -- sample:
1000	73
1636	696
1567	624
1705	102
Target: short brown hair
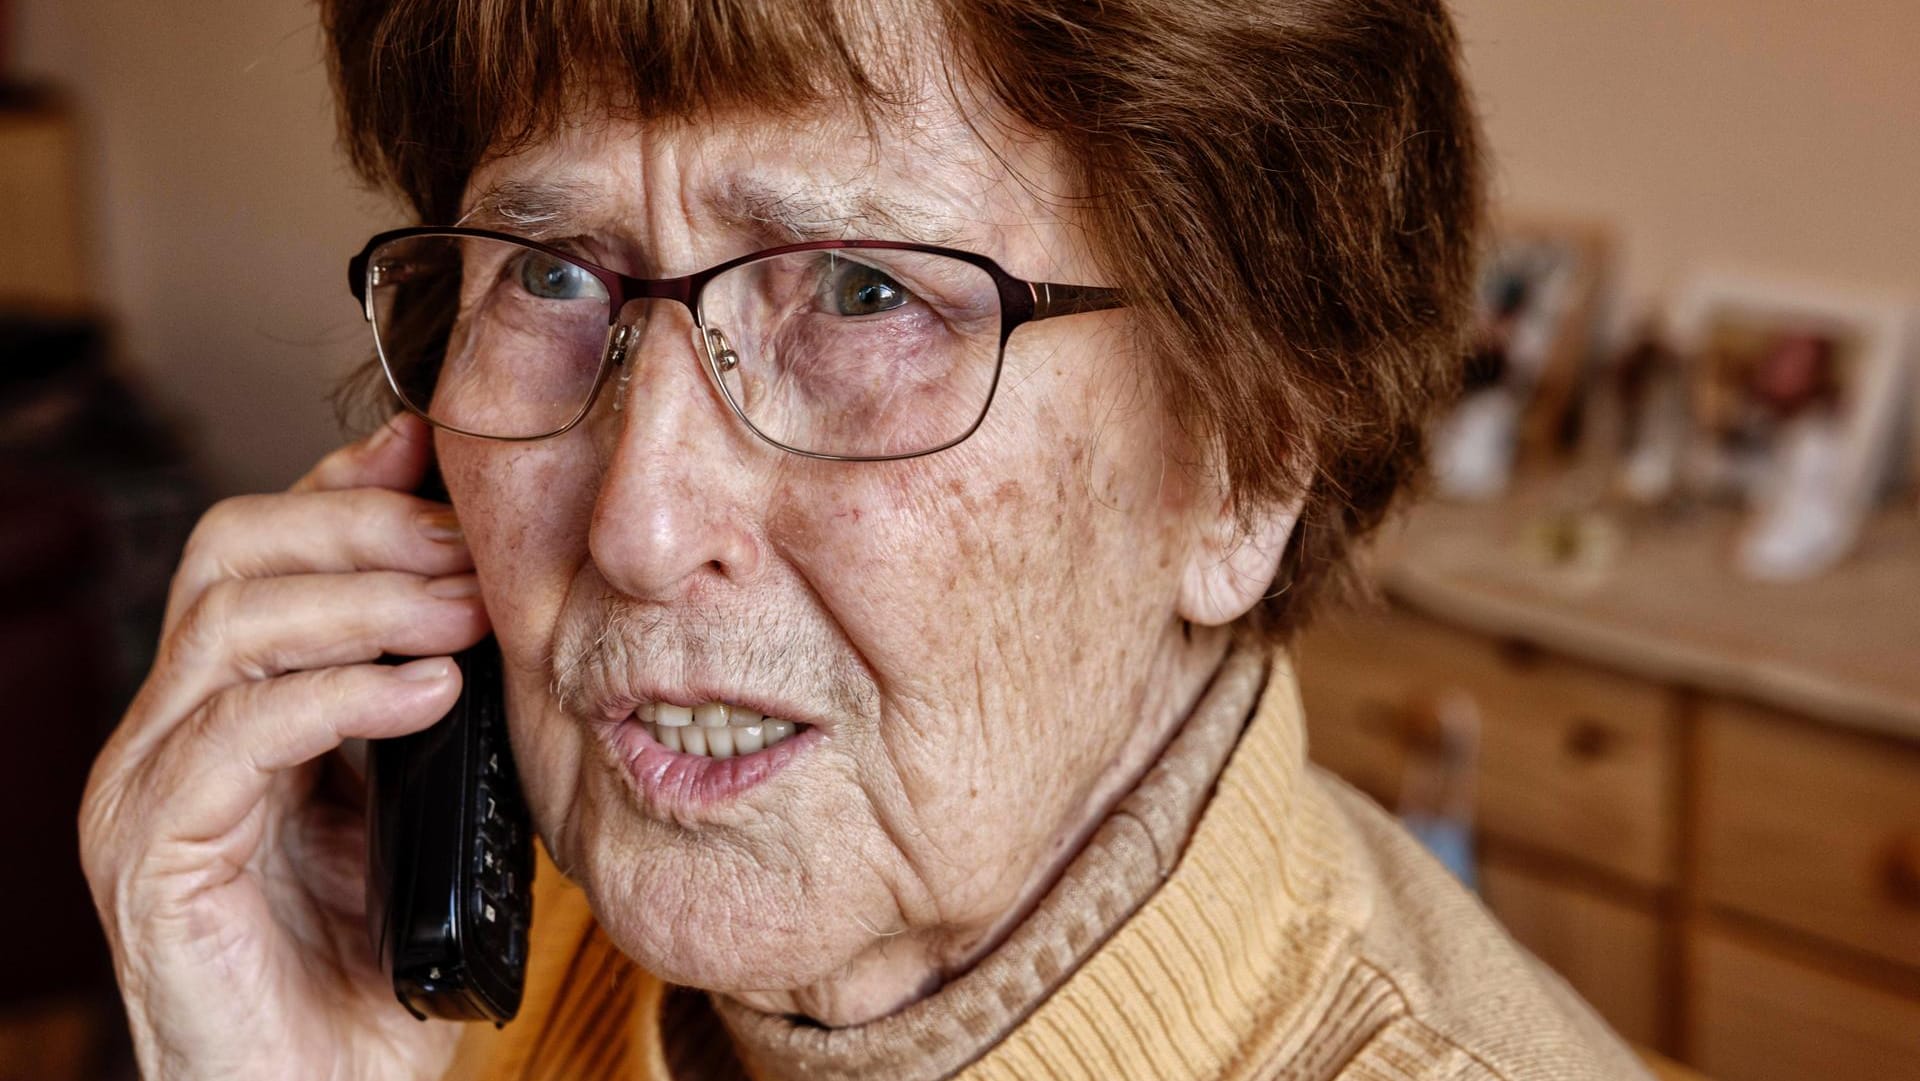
1310	166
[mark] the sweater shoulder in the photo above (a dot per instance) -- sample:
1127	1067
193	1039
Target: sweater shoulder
1472	1002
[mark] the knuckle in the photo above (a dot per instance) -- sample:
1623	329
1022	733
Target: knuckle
221	519
336	462
331	690
375	517
220	719
204	556
345	691
204	627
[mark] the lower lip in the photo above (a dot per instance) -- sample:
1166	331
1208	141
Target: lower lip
675	784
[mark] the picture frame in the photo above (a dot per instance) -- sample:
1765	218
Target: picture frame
1800	404
1536	315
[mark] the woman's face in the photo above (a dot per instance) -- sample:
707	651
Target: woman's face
976	644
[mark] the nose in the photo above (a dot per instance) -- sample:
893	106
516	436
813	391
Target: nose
673	511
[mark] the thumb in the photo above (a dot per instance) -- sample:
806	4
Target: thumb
395	456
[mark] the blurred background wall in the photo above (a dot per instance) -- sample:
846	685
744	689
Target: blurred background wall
1776	135
219	218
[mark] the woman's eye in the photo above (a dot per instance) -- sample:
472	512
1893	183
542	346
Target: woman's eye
858	289
554	279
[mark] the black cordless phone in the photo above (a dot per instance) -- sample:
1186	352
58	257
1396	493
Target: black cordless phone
450	855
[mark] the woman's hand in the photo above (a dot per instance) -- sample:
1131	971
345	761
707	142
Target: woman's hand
224	842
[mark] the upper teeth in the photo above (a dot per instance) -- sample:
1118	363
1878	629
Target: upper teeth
712	729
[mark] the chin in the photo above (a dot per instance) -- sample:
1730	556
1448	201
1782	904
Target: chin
732	907
700	912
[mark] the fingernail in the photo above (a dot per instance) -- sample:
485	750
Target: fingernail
454	587
425	670
442	526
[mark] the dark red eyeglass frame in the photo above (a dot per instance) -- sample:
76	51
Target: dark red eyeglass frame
1021	302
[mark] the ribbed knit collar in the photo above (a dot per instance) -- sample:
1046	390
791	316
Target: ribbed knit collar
1124	862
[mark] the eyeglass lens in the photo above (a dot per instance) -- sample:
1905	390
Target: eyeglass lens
860	353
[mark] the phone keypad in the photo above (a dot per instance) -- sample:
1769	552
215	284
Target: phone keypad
502	868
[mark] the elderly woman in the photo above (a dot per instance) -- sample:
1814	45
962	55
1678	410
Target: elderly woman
891	444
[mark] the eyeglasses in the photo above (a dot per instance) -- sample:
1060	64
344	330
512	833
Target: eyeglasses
853	350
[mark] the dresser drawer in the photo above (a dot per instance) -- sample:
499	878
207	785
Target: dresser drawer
1355	687
1814	828
1758	1016
1607	949
1573	760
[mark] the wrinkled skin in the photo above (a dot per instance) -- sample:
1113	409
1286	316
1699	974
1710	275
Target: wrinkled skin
993	642
990	636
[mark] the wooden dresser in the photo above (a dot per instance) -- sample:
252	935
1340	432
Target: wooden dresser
1698	797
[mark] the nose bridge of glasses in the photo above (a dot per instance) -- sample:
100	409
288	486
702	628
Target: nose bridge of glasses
627	338
678	290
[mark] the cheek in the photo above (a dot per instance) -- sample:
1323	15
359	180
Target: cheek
525	512
973	583
1059	518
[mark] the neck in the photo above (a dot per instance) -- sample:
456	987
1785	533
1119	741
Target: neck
902	968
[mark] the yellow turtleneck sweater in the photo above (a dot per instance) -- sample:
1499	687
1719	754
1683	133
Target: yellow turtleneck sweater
1300	933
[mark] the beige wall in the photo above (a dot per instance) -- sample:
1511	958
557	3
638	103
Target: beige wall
221	218
1778	136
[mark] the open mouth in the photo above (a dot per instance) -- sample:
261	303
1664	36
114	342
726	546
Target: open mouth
689	762
713	729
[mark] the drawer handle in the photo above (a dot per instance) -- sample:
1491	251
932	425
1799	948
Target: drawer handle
1900	870
1521	654
1589	740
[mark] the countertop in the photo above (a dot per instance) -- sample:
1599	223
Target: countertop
1668	605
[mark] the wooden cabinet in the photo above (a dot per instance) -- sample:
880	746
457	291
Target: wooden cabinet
1698	797
1816	830
1760	1016
1574	760
1732	884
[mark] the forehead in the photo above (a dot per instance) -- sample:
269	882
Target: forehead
936	173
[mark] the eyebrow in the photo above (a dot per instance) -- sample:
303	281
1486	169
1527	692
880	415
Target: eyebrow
548	209
798	215
535	209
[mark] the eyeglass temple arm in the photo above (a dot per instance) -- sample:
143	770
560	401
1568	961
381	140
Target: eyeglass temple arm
1051	299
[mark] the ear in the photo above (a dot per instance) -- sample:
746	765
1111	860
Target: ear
1233	561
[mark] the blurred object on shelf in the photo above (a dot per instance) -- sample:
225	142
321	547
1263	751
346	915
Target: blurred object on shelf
40	233
1645	442
1800	405
1538	300
1436	791
1579	547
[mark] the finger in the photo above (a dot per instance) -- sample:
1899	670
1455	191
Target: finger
321	532
215	769
394	456
244	630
